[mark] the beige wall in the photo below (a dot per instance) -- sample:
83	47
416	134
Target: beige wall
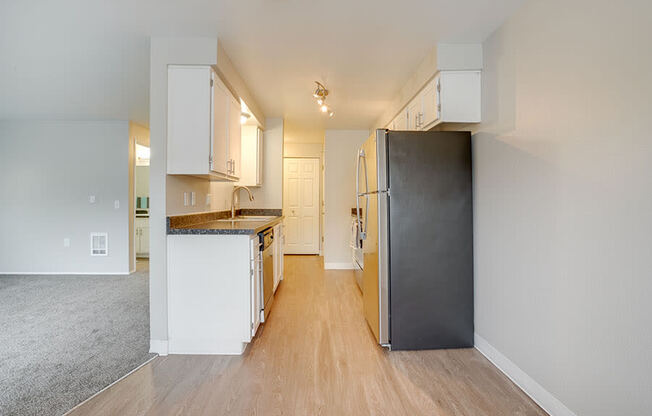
340	148
297	133
563	208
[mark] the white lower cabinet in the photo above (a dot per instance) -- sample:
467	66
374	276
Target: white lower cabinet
214	293
142	237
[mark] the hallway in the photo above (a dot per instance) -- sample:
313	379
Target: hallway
316	356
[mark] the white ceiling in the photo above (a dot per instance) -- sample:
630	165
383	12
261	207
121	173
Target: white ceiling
363	50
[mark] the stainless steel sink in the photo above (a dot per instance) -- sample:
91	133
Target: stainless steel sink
240	218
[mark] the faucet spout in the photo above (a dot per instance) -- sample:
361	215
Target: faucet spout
235	191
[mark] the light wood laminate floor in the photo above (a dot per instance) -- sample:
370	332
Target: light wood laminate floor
316	356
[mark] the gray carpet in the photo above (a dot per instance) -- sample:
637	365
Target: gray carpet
64	338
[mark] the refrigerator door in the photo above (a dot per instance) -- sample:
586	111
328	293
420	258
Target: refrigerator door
431	247
374	291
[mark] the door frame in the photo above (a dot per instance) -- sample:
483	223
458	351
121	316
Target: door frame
320	178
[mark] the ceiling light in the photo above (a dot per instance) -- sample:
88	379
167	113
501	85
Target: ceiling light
320	94
244	117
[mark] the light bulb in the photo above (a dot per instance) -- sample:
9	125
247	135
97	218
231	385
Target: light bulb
320	101
324	108
331	114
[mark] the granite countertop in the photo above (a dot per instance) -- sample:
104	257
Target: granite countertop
208	223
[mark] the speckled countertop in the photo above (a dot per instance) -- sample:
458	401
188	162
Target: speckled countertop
208	222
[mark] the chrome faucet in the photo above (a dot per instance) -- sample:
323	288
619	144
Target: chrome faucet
235	191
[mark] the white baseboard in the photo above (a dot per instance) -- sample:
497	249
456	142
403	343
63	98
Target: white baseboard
339	266
158	346
66	273
541	396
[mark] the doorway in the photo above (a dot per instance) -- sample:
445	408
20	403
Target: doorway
301	181
141	229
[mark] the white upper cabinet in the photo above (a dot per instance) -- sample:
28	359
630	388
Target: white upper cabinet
430	104
414	113
234	131
400	122
251	173
460	96
203	124
219	161
450	97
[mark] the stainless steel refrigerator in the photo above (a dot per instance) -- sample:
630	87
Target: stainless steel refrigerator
415	194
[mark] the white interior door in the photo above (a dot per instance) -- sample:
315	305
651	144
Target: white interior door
301	205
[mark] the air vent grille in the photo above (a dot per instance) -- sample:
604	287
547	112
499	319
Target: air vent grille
99	244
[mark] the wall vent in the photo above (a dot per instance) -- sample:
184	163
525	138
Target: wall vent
99	244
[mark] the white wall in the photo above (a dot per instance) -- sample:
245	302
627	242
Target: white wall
270	194
48	170
340	148
563	202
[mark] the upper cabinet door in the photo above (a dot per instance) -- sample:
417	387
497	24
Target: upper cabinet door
414	113
460	95
219	127
400	122
235	136
430	104
188	119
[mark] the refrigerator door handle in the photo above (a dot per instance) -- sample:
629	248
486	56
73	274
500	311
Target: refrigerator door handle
361	155
362	226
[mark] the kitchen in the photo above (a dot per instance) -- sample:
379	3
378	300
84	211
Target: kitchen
212	134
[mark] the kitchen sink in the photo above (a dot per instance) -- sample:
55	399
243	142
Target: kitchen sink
240	218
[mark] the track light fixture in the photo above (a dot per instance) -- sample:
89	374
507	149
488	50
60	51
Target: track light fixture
320	94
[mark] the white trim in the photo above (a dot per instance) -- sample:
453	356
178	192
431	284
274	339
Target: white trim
107	387
64	273
339	266
158	346
541	396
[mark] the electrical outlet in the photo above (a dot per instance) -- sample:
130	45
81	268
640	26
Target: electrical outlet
116	204
192	199
185	199
66	242
91	199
